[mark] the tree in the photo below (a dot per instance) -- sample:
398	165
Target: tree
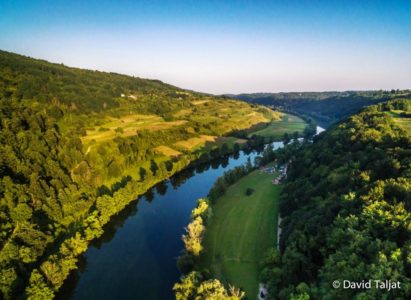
211	289
186	289
169	165
296	135
119	130
143	174
153	167
346	193
224	149
204	158
193	237
38	288
286	138
215	153
8	281
235	293
249	191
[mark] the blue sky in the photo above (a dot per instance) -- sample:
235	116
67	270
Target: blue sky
222	46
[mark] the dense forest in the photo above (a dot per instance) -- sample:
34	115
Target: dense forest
346	210
76	146
324	107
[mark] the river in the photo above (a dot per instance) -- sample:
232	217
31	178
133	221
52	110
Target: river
136	256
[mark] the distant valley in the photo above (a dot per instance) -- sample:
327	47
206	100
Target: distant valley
325	108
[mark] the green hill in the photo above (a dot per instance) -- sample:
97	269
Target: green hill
76	146
346	210
324	107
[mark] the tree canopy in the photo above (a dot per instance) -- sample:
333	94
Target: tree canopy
346	211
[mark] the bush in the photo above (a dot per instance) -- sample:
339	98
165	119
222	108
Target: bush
249	191
119	130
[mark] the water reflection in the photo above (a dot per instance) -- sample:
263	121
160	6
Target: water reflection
138	251
135	258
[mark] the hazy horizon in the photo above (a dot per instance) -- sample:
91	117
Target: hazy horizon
222	47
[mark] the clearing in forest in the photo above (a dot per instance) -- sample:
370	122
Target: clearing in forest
402	118
288	123
242	229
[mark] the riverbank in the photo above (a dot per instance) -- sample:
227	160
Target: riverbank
162	263
233	247
140	245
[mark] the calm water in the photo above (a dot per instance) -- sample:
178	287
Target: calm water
136	256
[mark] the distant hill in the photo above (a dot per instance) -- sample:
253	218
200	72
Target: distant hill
325	107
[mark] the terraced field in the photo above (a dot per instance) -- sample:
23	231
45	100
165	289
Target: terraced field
215	118
128	126
195	143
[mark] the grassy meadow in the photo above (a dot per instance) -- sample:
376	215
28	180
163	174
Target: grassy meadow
233	247
287	124
402	121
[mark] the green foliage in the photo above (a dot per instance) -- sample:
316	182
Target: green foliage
191	287
169	165
82	90
345	209
195	229
153	167
286	138
228	178
324	107
249	191
186	289
58	186
202	210
143	173
194	235
38	288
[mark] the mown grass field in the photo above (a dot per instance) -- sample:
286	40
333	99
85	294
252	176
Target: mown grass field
242	229
288	123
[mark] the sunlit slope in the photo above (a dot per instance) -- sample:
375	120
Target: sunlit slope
402	118
77	146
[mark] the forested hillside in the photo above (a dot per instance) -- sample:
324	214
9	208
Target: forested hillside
346	210
76	146
325	107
